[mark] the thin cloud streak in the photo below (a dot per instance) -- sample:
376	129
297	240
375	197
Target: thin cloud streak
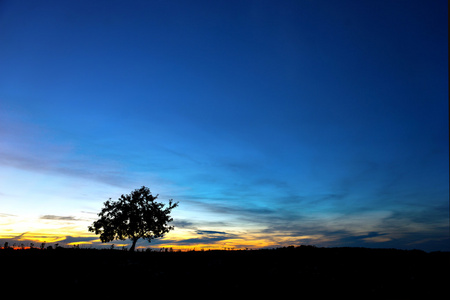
59	218
104	173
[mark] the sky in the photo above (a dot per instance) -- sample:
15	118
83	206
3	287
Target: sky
273	123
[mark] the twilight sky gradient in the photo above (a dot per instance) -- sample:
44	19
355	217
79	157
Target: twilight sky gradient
272	122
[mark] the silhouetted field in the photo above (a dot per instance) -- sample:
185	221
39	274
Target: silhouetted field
291	272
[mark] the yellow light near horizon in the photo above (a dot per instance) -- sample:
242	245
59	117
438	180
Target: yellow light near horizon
83	243
41	231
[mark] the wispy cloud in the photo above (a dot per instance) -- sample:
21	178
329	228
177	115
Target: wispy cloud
79	239
104	172
59	218
207	238
183	224
3	215
359	225
46	150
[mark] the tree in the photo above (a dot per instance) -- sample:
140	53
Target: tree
134	216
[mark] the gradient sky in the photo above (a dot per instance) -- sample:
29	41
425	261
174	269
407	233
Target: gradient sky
273	123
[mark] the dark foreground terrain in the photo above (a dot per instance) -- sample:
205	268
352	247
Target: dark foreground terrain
289	272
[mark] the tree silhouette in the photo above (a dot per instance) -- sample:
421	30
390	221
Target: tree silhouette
133	216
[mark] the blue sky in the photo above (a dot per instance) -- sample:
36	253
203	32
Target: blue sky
272	123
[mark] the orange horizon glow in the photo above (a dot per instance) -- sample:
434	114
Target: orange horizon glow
55	232
174	241
223	245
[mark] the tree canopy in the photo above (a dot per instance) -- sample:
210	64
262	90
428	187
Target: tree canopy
134	216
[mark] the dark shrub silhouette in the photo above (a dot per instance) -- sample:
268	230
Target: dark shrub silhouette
133	216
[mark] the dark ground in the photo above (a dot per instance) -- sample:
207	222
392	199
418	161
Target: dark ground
288	272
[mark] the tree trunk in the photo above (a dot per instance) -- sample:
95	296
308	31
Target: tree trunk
134	244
